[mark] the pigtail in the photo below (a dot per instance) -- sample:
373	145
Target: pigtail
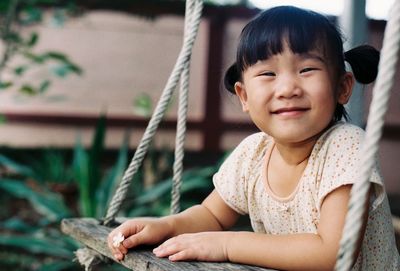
364	61
232	75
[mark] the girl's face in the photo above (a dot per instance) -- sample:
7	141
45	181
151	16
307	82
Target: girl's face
292	97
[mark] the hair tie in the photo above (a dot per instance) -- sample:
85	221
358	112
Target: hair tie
364	61
232	76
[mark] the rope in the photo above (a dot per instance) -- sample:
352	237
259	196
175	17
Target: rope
194	10
378	108
179	143
89	257
181	127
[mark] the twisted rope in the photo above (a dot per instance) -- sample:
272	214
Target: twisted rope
195	9
179	142
378	108
181	127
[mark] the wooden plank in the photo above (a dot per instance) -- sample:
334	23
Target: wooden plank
89	232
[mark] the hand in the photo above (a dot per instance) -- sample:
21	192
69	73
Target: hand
137	232
203	246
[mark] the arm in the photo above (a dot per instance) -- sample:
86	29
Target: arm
212	215
298	251
288	252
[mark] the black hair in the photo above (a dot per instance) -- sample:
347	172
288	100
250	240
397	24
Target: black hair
304	31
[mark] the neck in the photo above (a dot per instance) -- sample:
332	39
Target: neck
296	153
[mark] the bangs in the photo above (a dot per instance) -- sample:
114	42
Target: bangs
266	35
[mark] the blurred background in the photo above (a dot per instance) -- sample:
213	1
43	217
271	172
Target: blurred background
78	82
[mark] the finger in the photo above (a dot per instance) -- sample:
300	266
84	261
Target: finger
123	249
127	228
118	256
180	239
110	244
180	256
117	249
133	241
170	241
118	252
168	249
158	250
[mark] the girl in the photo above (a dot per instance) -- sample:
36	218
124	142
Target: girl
294	177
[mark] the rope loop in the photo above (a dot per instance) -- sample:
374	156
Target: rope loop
378	108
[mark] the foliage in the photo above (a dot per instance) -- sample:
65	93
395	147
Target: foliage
45	202
51	167
34	232
14	15
38	233
95	191
143	105
155	200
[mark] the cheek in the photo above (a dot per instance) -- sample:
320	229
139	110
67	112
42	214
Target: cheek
258	96
326	101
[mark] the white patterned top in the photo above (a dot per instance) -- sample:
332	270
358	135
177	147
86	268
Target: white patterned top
241	182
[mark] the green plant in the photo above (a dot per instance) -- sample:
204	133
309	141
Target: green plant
51	167
155	200
31	241
95	191
15	14
36	235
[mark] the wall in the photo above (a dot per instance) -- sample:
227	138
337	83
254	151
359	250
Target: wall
124	56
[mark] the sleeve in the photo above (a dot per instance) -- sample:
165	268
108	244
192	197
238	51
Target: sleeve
341	161
230	181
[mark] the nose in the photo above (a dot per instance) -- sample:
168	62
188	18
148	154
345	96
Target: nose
287	87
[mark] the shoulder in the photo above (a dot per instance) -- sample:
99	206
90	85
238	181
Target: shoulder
231	180
344	131
337	154
344	138
253	145
246	155
256	138
340	146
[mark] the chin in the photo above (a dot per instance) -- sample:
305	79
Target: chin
295	137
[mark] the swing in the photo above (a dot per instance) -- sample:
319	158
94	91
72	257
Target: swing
93	233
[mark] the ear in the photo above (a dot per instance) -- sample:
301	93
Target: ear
241	93
345	88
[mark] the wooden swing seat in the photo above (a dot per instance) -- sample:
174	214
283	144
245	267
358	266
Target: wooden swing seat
89	232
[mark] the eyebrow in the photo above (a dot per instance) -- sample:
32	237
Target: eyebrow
312	56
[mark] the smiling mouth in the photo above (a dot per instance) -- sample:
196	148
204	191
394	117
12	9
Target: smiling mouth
290	110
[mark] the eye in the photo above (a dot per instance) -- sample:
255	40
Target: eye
267	74
308	69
